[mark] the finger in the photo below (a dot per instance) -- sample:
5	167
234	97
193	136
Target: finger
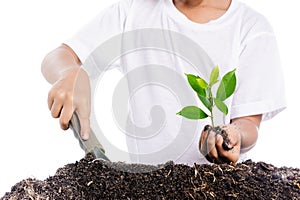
84	118
50	100
219	145
203	136
85	128
65	116
207	128
56	109
211	146
203	143
222	157
226	156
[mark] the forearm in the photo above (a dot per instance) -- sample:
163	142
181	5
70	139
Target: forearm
248	129
57	62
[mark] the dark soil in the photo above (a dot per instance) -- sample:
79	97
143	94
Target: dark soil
98	179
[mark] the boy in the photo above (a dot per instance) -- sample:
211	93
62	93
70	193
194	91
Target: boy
226	33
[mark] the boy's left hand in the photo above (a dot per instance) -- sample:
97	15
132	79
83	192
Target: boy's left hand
210	144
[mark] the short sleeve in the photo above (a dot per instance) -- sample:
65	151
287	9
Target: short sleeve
106	24
260	83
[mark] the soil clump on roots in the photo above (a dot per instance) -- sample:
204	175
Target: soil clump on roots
98	179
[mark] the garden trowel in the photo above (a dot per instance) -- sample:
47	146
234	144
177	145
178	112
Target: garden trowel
92	145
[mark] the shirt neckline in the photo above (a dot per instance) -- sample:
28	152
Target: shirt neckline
179	16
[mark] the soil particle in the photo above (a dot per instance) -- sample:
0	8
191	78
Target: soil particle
98	179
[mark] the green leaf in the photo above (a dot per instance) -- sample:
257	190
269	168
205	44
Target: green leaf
194	83
192	112
221	106
205	101
214	75
192	79
202	83
227	86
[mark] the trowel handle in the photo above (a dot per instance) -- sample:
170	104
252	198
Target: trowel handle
92	145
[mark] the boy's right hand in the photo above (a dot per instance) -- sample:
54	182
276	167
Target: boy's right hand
71	93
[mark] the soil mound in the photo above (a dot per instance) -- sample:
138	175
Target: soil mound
98	179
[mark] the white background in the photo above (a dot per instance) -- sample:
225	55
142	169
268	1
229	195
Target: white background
33	145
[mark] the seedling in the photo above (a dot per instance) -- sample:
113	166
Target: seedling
204	91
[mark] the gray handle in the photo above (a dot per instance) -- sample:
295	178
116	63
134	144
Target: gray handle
92	145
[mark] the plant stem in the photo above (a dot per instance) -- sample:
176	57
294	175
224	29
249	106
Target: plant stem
212	120
212	105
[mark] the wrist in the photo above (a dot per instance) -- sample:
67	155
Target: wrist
248	134
69	70
73	73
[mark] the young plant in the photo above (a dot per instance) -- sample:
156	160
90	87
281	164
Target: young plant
210	100
206	96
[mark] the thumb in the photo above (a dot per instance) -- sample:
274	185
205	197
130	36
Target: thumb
219	141
85	126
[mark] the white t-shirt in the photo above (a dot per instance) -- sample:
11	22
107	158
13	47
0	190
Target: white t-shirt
154	45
